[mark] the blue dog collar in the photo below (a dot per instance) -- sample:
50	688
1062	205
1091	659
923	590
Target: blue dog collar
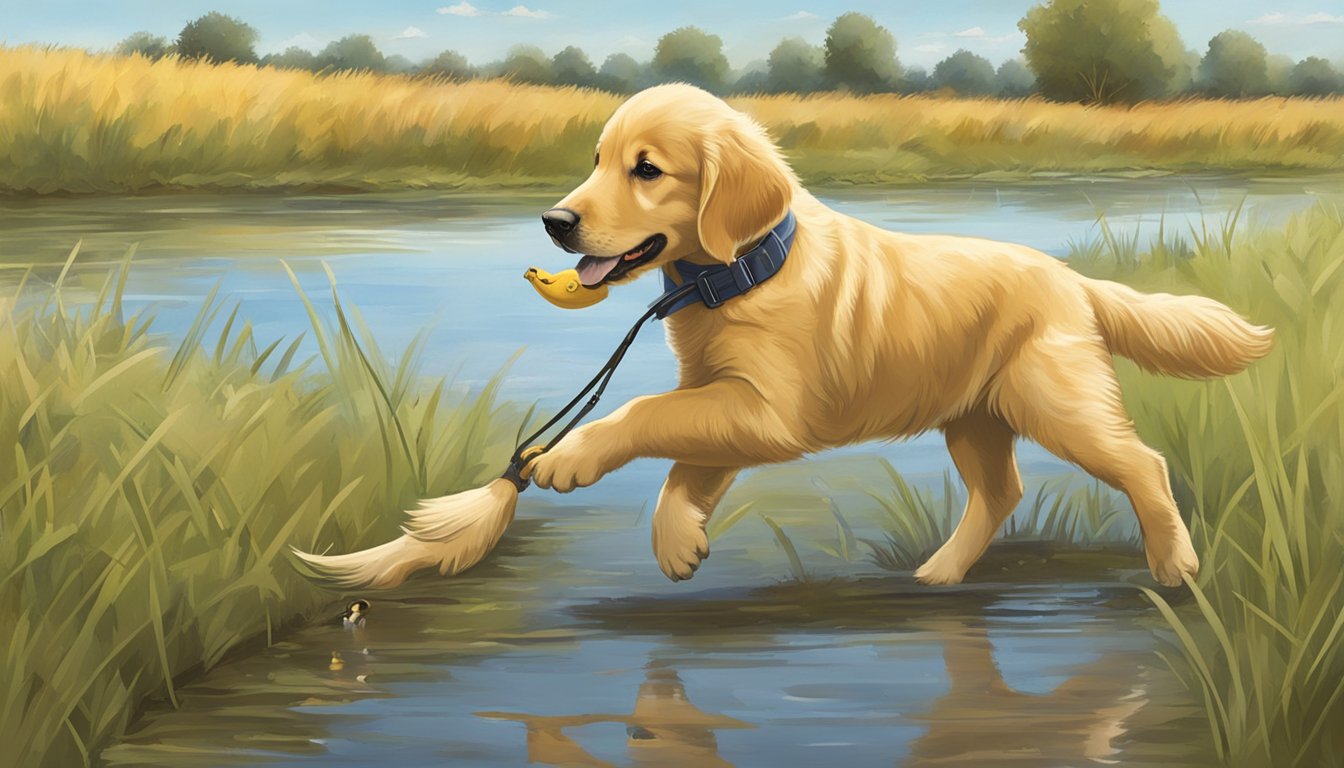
717	283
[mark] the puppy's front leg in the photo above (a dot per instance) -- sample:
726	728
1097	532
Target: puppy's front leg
688	499
725	423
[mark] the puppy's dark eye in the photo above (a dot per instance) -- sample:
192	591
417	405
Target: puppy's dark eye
597	157
647	171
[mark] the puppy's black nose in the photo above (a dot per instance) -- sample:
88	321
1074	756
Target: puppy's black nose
560	222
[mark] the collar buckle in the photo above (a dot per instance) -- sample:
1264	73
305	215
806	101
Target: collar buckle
708	295
740	269
716	284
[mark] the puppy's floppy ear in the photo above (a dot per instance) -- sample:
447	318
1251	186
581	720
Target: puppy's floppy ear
745	188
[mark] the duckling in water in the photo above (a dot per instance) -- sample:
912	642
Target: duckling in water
353	618
337	663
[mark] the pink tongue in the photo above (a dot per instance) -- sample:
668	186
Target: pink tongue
592	269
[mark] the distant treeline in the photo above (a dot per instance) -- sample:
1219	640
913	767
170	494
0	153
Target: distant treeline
1097	51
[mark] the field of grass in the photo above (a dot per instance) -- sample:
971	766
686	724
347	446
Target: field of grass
150	491
83	123
1258	460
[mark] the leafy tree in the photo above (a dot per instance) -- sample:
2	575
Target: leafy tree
218	38
450	64
573	67
1314	76
1280	69
753	78
293	57
399	64
1104	50
145	44
861	55
1014	80
795	66
916	80
352	52
691	55
965	73
620	73
1234	66
527	64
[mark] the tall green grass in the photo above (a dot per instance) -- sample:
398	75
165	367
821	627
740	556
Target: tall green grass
917	520
149	493
1258	461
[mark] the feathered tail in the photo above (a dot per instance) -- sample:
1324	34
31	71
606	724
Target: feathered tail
1188	336
450	532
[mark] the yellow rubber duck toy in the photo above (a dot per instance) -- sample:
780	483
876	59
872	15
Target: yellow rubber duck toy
563	289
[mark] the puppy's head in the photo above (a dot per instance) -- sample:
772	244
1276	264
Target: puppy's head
678	174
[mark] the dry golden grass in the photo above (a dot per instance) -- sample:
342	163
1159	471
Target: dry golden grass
78	122
835	136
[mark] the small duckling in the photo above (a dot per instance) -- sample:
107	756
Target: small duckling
353	618
337	663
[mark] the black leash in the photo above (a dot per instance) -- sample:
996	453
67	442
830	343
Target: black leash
710	285
657	309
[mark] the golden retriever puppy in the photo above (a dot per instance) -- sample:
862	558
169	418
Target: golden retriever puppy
862	334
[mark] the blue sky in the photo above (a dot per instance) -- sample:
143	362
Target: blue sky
484	29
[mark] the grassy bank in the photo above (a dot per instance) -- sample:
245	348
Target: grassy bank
1258	461
150	493
76	122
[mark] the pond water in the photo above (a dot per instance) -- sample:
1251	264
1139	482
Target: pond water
568	647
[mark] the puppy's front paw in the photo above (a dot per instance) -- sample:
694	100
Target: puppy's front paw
572	463
680	544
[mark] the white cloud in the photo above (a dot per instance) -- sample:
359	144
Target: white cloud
800	16
1279	19
980	37
1270	18
409	33
461	9
301	40
630	41
523	12
929	48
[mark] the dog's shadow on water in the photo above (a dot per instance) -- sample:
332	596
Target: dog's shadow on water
893	603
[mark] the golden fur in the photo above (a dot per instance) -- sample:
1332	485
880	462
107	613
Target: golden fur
866	334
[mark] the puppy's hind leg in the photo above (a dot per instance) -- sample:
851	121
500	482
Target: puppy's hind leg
982	448
688	499
1063	393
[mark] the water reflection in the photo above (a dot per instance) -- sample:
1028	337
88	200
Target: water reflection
982	720
1025	679
665	728
551	653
